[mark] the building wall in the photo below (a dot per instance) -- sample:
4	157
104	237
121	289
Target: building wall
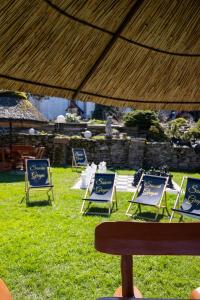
51	107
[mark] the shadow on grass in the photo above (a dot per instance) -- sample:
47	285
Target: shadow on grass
97	211
148	216
39	203
11	176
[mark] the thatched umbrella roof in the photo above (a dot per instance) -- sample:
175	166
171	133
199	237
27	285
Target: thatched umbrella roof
139	53
16	108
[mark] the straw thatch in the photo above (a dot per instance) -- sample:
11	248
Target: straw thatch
16	108
136	53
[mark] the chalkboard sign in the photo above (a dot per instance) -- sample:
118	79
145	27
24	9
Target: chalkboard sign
151	190
79	157
103	186
37	170
191	203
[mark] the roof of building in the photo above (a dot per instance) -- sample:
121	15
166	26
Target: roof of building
15	106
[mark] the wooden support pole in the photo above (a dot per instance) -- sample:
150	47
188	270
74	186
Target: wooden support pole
127	275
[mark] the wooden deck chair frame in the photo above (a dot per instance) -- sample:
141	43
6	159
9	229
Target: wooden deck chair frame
39	152
74	163
158	207
133	238
48	188
177	202
111	203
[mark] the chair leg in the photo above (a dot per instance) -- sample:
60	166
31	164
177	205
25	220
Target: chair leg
156	216
168	213
52	194
82	207
127	212
181	218
83	211
27	197
115	200
50	198
110	208
172	215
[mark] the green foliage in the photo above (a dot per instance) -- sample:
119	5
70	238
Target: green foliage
193	132
156	133
143	119
198	124
42	132
99	137
47	252
96	121
76	137
179	122
174	127
74	118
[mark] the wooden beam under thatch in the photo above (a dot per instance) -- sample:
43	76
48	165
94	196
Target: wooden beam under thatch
135	53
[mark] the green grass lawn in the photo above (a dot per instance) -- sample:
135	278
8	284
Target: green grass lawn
47	252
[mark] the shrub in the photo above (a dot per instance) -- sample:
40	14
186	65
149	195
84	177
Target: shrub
192	133
156	133
175	126
141	119
72	118
96	121
198	124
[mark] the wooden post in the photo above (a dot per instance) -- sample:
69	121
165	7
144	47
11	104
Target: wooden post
127	275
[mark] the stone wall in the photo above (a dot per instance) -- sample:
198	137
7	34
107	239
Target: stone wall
177	158
36	140
114	152
132	153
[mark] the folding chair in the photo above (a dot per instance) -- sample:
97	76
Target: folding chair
191	200
79	158
38	177
101	189
150	191
129	238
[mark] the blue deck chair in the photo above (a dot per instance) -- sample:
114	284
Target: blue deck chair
79	157
190	205
150	191
38	177
101	189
